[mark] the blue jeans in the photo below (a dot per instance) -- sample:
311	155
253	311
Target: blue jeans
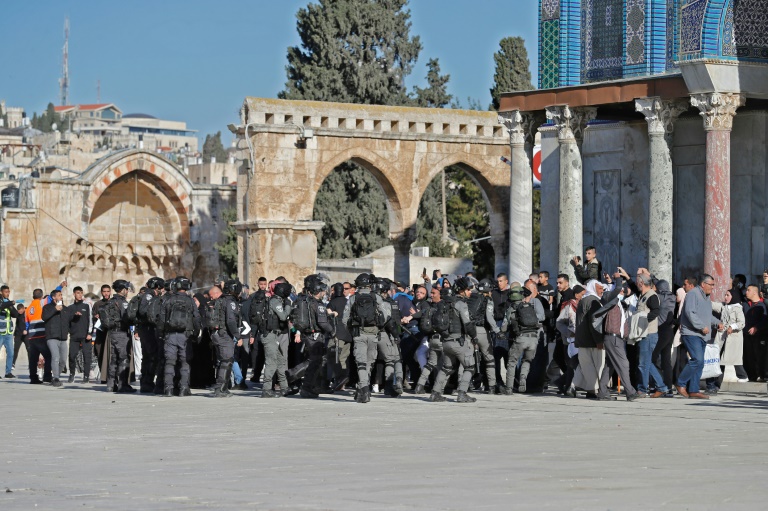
7	341
645	349
691	374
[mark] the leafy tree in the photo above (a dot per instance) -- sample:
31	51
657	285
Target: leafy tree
468	219
228	249
512	69
352	51
354	210
435	95
47	119
212	146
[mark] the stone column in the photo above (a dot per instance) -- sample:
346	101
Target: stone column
717	110
402	244
520	198
570	125
661	116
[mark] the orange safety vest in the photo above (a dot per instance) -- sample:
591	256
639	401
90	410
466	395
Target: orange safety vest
35	311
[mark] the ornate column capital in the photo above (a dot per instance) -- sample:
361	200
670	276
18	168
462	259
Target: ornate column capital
718	109
516	123
570	122
660	114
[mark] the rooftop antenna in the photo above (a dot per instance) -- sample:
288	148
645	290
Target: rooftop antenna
64	80
98	91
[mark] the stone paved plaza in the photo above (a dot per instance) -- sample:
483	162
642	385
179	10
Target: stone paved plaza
82	448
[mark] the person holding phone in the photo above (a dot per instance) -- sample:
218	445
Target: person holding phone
56	321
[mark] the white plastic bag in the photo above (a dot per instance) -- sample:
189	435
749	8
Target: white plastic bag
711	362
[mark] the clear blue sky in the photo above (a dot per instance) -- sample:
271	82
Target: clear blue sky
195	60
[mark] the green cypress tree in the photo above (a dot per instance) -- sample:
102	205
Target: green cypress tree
513	69
435	95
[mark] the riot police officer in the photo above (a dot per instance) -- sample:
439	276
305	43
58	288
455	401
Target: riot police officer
115	315
275	340
145	327
365	315
223	321
153	313
313	335
481	311
389	342
457	348
179	322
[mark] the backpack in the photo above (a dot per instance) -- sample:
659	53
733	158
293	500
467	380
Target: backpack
179	316
301	315
110	315
526	316
441	317
477	304
133	310
215	315
153	310
257	311
393	325
425	323
365	311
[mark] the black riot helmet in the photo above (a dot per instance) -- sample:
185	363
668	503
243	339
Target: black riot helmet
316	287
462	284
167	284
309	282
283	289
233	287
447	292
364	280
121	284
155	283
182	283
485	286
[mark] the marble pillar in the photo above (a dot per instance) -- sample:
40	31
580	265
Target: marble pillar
570	125
718	109
660	115
520	198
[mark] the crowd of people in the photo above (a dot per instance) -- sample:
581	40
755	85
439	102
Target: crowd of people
608	335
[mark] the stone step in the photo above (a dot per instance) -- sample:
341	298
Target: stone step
745	388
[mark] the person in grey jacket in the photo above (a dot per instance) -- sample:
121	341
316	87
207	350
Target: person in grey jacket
696	322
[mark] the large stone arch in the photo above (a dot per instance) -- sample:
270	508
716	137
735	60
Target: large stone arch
380	169
135	220
292	147
493	184
166	176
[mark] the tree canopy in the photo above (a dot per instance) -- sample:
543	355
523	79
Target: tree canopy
513	69
212	146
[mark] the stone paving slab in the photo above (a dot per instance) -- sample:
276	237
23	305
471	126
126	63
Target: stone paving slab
82	448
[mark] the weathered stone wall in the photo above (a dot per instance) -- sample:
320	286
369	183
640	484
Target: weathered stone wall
403	148
130	219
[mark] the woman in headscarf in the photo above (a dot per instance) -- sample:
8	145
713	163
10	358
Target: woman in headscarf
730	338
589	340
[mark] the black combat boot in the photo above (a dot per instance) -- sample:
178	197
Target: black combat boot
268	393
71	378
168	392
363	395
436	397
507	391
419	389
463	397
86	379
185	392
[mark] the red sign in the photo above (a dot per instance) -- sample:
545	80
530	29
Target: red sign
536	166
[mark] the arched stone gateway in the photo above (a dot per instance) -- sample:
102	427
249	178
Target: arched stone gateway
132	214
297	144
